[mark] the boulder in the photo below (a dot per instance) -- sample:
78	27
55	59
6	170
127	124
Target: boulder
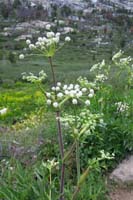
124	172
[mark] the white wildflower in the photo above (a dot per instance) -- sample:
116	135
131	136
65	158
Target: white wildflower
57	34
60	95
87	102
48	26
50	34
32	46
55	104
49	102
74	101
90	95
53	88
79	94
59	84
28	42
84	89
21	56
92	91
64	87
57	88
48	94
67	39
40	39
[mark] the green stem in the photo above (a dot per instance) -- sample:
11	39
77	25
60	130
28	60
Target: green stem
78	160
60	138
50	181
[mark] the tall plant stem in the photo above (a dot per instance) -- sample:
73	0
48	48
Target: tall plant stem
52	69
60	139
77	149
78	159
50	181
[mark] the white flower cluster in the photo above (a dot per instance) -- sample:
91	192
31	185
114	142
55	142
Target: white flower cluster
125	60
122	107
74	93
98	66
43	44
50	164
83	121
101	78
117	55
34	79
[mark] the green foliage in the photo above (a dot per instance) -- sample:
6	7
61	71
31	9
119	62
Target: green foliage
12	57
21	103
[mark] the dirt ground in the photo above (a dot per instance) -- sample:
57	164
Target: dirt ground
121	194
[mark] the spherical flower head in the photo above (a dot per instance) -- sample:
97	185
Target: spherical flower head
67	39
55	104
21	56
60	95
67	92
48	94
57	88
49	102
84	89
64	87
79	94
48	26
90	95
59	84
91	91
40	39
38	44
44	39
71	93
53	88
74	101
56	39
31	46
87	102
28	42
50	34
76	86
57	34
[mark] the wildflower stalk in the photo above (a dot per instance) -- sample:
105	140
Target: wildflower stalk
78	159
60	138
50	181
77	149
